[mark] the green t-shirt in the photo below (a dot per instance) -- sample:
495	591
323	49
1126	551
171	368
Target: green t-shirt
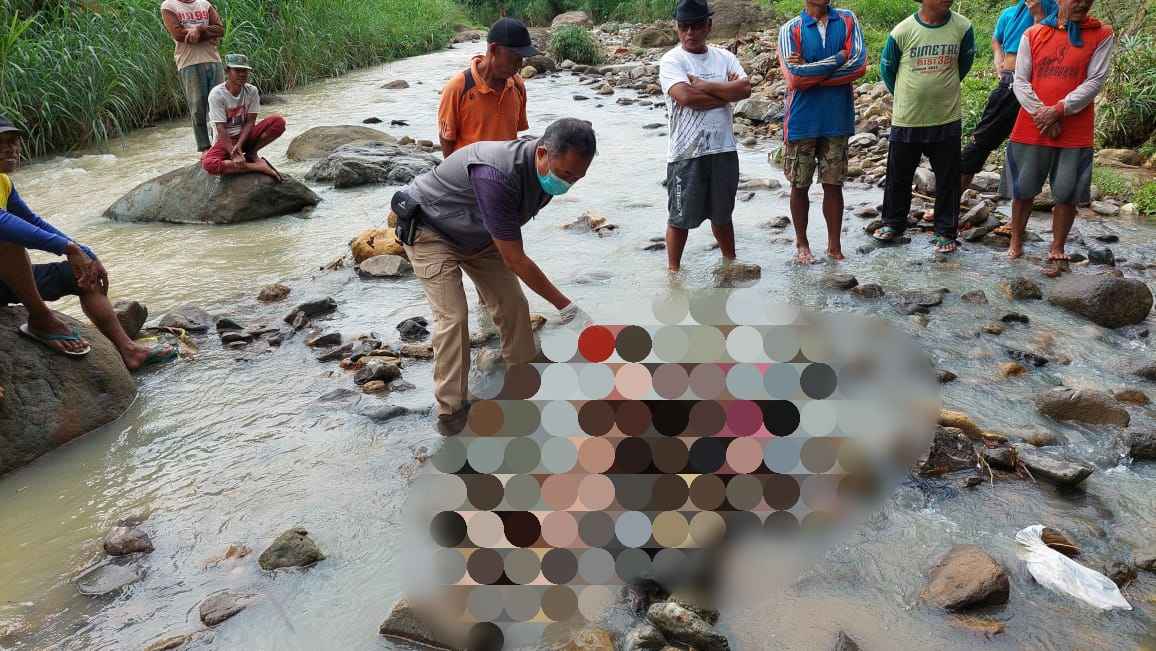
922	65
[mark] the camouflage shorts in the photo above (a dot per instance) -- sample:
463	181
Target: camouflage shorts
800	158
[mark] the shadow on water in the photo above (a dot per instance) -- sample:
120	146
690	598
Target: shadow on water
236	447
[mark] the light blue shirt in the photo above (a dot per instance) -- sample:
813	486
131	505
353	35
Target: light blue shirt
1015	20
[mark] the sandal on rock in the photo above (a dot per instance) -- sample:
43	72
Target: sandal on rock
887	234
47	340
160	354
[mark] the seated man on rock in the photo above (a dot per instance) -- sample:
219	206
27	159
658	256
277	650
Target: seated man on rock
233	108
81	275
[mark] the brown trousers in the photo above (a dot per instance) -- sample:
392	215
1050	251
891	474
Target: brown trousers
440	267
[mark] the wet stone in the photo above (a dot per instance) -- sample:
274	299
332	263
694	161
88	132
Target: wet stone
413	329
108	578
1022	289
335	354
121	541
1014	317
324	340
869	290
966	577
681	624
1027	357
1054	469
976	297
294	548
222	606
840	281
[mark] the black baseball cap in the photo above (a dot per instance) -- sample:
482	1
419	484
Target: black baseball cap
511	33
692	11
6	126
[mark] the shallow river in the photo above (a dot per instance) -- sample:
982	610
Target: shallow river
230	448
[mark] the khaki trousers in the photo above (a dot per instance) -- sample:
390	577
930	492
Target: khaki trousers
440	267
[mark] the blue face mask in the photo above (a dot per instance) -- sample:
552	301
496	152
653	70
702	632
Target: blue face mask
552	185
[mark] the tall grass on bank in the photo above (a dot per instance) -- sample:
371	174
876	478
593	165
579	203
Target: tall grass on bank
541	12
72	74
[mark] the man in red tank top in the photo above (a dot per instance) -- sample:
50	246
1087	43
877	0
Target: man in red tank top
1063	63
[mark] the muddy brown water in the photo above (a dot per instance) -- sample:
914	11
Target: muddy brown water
235	448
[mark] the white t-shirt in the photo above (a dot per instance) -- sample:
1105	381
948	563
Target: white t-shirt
695	133
232	110
193	13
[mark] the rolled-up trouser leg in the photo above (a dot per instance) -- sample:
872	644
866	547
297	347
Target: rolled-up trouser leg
502	295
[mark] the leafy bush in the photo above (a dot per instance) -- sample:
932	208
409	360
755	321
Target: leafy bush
1126	112
973	97
1145	198
1111	183
575	43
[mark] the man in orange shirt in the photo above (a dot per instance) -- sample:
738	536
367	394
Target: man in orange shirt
488	100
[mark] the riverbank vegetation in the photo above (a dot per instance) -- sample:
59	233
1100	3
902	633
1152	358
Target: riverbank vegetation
75	73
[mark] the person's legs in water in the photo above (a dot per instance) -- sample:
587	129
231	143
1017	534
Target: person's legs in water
724	234
902	159
675	243
799	168
944	158
16	274
1021	211
833	215
1063	215
722	186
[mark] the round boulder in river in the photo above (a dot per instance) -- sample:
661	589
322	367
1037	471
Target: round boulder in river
319	142
190	195
294	548
1105	299
50	399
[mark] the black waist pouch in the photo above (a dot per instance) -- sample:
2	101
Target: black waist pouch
408	217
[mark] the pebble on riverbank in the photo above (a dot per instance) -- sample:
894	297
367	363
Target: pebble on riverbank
966	577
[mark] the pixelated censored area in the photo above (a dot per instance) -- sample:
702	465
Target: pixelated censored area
630	451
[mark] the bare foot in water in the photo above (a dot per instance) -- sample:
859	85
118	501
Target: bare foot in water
1058	255
835	253
803	254
1016	248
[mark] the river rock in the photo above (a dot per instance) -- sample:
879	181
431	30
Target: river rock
50	399
541	62
363	163
588	639
870	290
375	241
736	273
950	451
1101	255
861	140
925	181
1085	406
1119	157
759	110
528	72
1021	289
644	637
1054	469
294	548
985	181
121	541
311	309
334	354
1145	559
916	301
413	329
944	376
222	606
384	413
396	84
655	36
976	297
840	281
319	142
734	17
1107	300
273	293
417	351
326	340
579	18
1120	572
680	624
107	578
132	316
384	266
1132	396
844	642
410	624
189	318
377	370
1142	445
170	642
966	577
190	195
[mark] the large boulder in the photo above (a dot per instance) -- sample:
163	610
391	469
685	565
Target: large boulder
372	162
1084	406
541	63
319	142
655	36
1105	299
579	18
190	195
50	399
734	17
757	109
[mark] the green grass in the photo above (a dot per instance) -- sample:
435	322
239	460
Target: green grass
541	12
576	44
71	75
1111	183
1145	198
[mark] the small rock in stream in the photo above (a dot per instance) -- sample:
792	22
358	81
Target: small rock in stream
1022	289
1027	357
1085	406
225	324
413	329
950	451
976	297
1142	445
644	637
842	281
335	354
377	370
1145	559
868	291
121	541
1120	572
384	413
107	578
222	606
311	309
1054	469
132	316
1131	396
1101	255
1014	317
681	624
944	376
966	577
294	548
324	340
189	318
844	642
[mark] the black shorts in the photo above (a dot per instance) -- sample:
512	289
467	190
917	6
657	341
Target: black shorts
702	188
54	280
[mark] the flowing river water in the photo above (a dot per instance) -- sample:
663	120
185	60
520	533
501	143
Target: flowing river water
235	448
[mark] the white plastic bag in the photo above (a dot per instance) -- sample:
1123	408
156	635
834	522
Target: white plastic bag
1061	574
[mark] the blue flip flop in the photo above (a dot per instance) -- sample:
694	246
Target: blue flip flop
160	354
47	340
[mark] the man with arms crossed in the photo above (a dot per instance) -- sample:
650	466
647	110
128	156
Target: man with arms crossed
196	30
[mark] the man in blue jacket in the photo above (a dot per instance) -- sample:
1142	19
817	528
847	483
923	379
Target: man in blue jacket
80	275
999	115
821	52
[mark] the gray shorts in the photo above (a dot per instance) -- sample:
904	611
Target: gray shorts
702	188
1068	170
